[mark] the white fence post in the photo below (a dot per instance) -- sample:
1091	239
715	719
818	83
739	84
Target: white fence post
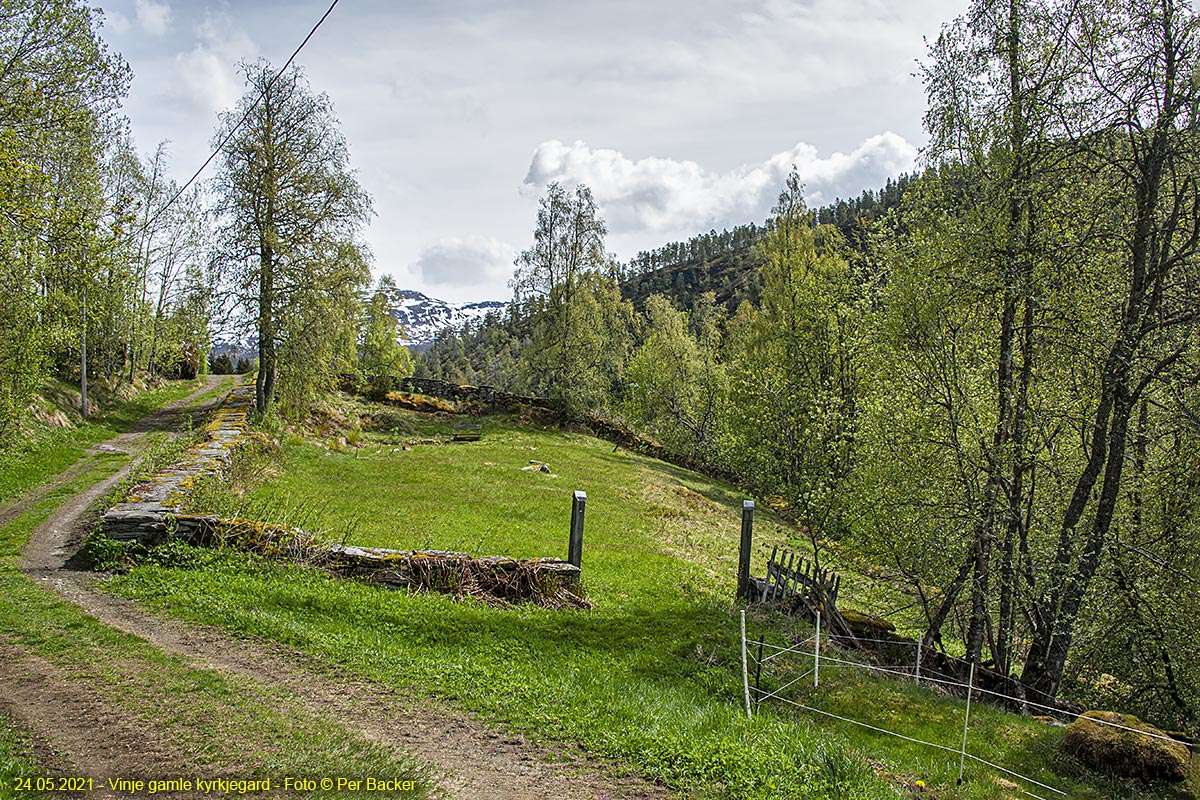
745	669
966	721
919	639
817	654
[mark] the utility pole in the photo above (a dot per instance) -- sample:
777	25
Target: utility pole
83	339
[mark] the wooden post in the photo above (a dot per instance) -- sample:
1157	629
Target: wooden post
575	546
743	576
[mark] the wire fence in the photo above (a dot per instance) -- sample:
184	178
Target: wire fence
754	695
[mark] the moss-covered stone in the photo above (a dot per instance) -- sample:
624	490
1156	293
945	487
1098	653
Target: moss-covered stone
861	623
1132	750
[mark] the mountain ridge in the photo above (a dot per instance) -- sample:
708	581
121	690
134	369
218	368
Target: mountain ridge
422	317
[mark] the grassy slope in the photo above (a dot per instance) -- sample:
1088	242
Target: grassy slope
43	452
230	725
650	677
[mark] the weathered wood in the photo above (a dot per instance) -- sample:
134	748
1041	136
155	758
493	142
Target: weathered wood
467	433
575	545
743	575
799	585
766	584
789	577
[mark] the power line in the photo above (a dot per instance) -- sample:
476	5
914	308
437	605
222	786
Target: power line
245	116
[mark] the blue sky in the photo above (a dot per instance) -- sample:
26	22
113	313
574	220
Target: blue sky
681	116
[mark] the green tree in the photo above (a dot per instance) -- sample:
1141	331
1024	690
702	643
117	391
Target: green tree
1035	302
795	394
59	86
580	328
290	210
382	359
676	384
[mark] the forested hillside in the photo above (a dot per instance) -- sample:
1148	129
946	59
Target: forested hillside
983	378
725	264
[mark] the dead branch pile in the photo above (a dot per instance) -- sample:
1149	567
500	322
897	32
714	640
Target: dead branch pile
497	580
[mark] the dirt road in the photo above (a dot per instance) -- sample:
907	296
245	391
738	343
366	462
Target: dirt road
75	732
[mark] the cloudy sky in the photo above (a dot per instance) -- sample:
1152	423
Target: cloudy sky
681	115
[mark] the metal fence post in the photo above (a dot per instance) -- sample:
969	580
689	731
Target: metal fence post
575	546
743	576
966	721
745	669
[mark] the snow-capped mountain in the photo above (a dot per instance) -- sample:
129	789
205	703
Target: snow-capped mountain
422	317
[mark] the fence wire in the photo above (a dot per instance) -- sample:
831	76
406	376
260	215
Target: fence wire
761	695
905	671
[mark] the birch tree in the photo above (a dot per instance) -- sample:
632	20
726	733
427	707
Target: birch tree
290	210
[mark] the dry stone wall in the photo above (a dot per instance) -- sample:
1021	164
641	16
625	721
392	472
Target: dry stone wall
146	515
489	397
153	515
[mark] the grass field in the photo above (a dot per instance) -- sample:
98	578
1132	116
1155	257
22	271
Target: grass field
649	678
227	726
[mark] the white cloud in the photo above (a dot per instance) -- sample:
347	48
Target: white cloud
154	17
116	21
464	262
663	195
208	72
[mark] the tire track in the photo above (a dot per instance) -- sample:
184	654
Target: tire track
476	760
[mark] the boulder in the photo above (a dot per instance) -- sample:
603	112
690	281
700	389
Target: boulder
1133	750
863	624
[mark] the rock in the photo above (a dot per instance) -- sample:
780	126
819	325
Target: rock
1126	751
861	623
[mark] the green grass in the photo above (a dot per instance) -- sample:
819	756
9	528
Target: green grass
16	760
649	678
43	451
226	725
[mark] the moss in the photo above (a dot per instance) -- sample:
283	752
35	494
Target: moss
1126	751
860	622
423	403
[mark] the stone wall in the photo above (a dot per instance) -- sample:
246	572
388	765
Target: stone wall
145	515
153	515
606	429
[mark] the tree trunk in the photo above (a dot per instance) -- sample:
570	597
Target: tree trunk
264	385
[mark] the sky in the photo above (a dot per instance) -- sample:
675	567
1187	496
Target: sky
681	115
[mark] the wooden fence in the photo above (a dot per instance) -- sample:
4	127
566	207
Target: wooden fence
797	585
